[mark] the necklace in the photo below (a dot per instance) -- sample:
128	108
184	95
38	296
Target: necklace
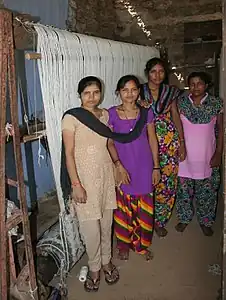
128	120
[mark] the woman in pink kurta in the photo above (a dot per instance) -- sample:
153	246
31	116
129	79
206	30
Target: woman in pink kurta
199	177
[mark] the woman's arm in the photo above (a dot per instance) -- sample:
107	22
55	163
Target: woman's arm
122	175
153	144
78	193
156	176
177	121
217	157
220	137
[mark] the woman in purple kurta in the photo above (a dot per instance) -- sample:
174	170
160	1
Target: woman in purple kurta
137	169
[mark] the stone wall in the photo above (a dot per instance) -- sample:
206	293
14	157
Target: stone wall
146	22
92	17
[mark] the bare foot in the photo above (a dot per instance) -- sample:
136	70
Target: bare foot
123	254
161	231
149	255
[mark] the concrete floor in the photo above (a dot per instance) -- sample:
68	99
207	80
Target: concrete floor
179	270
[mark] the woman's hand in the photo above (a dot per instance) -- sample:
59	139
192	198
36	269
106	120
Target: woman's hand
182	151
143	103
79	194
216	160
122	175
156	176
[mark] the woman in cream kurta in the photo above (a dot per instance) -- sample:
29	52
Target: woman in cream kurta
90	169
94	167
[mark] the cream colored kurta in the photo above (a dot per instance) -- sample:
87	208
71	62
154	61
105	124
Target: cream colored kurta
94	167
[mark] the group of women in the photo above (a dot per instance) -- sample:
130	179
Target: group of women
128	163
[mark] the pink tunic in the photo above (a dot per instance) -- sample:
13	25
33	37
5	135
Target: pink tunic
200	143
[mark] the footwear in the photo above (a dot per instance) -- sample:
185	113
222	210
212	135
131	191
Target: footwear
180	227
91	285
161	231
111	274
208	231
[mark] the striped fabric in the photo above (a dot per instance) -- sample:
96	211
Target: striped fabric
134	222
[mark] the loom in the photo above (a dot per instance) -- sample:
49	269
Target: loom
63	58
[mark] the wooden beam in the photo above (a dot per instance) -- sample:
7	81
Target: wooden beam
25	37
187	19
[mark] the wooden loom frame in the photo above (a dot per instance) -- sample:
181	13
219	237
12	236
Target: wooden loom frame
8	84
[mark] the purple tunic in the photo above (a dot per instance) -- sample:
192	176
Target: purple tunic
136	156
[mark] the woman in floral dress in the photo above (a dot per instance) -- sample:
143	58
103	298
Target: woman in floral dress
163	100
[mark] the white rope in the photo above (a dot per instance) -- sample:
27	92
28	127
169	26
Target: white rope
24	106
32	292
40	156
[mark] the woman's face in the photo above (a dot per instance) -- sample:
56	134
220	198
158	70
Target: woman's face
197	87
129	93
156	75
91	96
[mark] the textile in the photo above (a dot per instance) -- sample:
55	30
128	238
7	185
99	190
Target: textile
134	221
94	167
199	123
135	156
91	122
168	141
199	193
97	237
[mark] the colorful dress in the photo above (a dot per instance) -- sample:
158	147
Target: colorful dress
134	214
168	140
197	181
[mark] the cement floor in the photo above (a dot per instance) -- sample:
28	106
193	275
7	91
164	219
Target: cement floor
179	270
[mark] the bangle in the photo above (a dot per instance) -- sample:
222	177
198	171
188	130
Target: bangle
75	183
117	160
158	168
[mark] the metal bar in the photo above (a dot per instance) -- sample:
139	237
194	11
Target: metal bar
3	85
18	157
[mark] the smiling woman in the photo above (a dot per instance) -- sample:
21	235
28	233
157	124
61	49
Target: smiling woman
138	171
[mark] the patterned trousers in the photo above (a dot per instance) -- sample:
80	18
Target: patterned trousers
201	193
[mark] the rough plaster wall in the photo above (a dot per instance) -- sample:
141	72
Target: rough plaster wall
92	17
165	20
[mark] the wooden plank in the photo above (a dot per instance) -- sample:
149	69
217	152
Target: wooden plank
18	156
3	235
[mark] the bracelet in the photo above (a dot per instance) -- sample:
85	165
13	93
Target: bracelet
75	183
156	168
117	160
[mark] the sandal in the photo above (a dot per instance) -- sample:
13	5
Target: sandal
111	274
91	285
